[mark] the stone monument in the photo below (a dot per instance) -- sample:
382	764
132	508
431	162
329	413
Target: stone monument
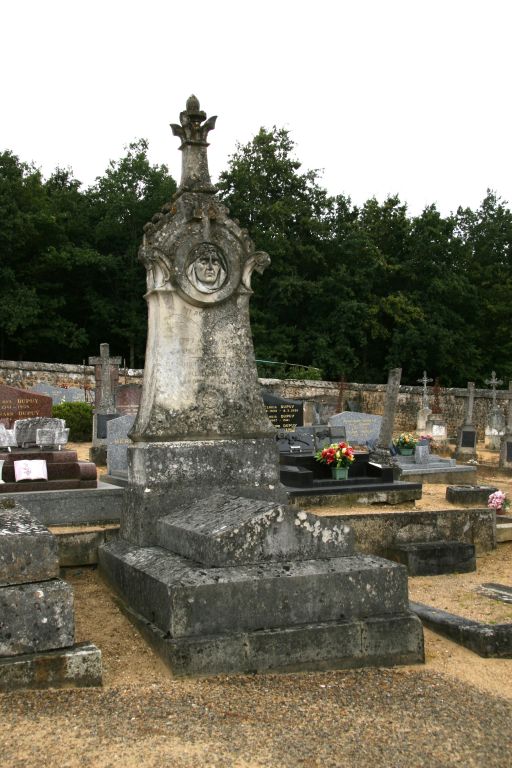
106	372
424	412
218	572
495	426
467	436
381	454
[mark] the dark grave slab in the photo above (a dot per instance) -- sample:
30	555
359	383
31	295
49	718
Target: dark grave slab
64	470
508	449
128	399
469	494
283	413
28	551
468	438
360	428
18	404
231	530
433	558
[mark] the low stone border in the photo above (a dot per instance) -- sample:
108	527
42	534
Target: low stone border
488	640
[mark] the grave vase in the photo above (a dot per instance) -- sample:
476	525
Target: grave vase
339	473
405	451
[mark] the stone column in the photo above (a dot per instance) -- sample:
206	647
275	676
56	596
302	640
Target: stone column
201	424
382	454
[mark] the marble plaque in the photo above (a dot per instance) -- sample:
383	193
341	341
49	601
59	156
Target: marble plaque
34	469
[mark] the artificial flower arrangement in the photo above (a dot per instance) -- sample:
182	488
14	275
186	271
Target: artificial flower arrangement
498	501
405	440
336	455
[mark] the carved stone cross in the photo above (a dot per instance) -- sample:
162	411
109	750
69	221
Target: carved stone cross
425	380
493	382
106	374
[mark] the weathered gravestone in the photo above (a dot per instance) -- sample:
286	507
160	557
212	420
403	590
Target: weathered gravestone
117	446
106	373
128	399
223	575
467	435
360	428
381	453
283	413
495	426
59	394
424	412
25	430
18	404
37	648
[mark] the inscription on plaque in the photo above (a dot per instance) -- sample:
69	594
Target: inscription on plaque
284	414
18	404
468	439
509	450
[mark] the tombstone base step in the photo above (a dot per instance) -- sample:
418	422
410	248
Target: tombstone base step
433	558
78	666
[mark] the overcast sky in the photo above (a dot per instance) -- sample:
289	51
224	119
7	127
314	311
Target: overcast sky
383	96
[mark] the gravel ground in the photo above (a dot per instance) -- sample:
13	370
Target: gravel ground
455	710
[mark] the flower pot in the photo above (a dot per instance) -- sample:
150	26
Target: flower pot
339	473
405	451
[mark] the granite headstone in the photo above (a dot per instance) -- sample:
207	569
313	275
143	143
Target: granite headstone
360	428
18	404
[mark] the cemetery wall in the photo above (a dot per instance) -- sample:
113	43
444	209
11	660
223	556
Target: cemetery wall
26	375
322	397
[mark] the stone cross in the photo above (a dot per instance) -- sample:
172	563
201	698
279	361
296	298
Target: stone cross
493	382
471	401
381	454
425	380
107	374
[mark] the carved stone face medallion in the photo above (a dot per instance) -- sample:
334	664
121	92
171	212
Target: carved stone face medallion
206	269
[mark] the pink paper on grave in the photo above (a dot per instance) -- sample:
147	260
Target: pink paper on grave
34	469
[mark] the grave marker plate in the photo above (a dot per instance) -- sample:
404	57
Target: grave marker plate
18	404
360	428
468	439
27	469
283	413
509	450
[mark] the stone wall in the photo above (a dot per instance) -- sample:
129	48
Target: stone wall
321	397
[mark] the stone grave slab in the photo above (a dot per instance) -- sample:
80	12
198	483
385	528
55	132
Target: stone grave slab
28	551
470	495
76	667
16	404
231	530
433	558
59	394
25	430
117	444
360	428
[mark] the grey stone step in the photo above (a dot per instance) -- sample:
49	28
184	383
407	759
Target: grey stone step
233	530
186	599
375	642
503	532
75	507
432	558
28	551
76	667
78	545
36	617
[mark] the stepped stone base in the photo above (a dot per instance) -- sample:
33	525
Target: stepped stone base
371	642
75	667
254	585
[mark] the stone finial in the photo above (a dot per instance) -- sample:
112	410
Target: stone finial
193	131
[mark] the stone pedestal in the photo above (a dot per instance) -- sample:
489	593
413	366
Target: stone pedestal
495	429
506	451
466	443
436	426
421	420
36	610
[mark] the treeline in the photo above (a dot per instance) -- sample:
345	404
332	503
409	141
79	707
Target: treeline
351	290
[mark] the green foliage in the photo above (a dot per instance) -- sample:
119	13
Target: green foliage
78	417
350	290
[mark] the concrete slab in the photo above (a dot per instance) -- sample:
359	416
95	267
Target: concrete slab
28	551
75	507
